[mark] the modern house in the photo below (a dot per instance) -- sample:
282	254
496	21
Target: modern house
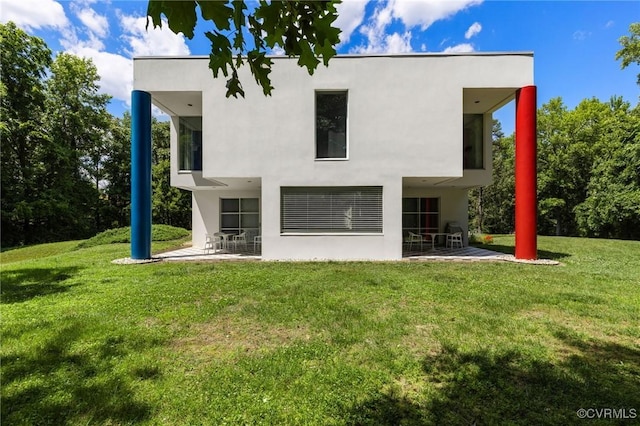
343	164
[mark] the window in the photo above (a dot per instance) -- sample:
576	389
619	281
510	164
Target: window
420	215
473	141
240	215
190	143
331	124
331	209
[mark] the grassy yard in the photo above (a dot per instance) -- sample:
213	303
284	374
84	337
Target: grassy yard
85	341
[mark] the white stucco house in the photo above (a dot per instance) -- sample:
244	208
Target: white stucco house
342	164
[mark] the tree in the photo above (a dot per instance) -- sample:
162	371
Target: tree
568	143
300	28
77	121
117	173
24	62
630	51
612	206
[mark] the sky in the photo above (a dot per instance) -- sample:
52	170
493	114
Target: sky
574	42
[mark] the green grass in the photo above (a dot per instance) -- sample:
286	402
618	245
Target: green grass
85	341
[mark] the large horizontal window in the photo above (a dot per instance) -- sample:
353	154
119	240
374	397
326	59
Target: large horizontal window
331	125
473	127
355	209
190	143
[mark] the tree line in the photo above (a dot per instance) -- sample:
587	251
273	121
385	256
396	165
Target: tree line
588	173
588	167
65	163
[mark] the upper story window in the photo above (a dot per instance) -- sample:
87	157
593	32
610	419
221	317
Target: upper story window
190	143
331	125
473	137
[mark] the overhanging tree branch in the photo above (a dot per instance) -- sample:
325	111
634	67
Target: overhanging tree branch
303	29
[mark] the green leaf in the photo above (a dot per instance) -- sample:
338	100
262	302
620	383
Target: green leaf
220	57
234	88
181	15
239	20
307	57
218	12
261	67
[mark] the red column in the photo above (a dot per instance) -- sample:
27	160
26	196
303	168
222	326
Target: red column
526	175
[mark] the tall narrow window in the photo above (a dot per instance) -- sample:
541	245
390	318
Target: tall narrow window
331	124
190	143
356	209
473	138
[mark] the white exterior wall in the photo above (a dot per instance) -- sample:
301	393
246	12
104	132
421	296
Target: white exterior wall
404	120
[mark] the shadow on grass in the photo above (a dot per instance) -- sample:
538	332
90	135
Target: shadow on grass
55	384
542	254
24	284
485	387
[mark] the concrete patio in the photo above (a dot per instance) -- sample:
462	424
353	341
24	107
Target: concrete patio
473	254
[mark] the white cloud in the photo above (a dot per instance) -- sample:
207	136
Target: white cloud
423	13
116	71
350	16
423	47
396	43
378	40
581	35
34	14
460	48
97	24
411	13
154	41
474	29
609	24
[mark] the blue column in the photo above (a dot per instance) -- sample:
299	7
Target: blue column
140	175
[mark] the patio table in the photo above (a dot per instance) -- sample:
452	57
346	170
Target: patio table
433	236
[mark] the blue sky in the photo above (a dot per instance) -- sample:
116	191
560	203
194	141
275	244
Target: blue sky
574	42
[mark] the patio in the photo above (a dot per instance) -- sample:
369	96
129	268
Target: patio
440	253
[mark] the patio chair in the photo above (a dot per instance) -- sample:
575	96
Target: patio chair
414	238
257	242
239	240
454	239
224	239
212	242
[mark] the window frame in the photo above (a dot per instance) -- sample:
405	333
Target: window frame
357	198
318	93
239	213
421	215
469	161
193	160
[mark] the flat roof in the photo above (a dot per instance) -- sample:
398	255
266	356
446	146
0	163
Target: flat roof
368	55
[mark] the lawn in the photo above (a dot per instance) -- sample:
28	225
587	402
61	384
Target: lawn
85	341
